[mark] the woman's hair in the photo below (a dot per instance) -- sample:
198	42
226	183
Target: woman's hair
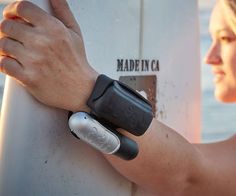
229	8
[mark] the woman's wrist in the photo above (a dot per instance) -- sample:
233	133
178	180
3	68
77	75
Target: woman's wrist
79	102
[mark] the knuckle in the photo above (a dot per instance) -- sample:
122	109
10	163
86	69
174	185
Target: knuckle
21	6
4	60
4	46
41	43
37	59
44	44
10	67
59	28
3	63
5	26
63	36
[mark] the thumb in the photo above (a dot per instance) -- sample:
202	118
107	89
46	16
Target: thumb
63	13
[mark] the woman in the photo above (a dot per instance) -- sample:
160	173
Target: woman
222	52
167	164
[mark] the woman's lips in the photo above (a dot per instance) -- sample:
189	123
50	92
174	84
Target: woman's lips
219	75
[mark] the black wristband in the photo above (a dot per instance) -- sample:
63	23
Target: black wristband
121	106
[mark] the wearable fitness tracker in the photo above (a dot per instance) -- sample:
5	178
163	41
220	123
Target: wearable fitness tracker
105	140
120	105
113	105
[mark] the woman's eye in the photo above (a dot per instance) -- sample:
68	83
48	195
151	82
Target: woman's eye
225	39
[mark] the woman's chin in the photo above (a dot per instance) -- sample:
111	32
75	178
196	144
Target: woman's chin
224	96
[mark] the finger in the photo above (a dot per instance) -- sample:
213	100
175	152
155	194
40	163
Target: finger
16	30
27	11
63	12
11	67
11	48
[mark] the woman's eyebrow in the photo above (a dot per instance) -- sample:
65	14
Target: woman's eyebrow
219	31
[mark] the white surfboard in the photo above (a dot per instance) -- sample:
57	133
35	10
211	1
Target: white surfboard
152	46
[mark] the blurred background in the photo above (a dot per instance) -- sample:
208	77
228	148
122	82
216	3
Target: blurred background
217	118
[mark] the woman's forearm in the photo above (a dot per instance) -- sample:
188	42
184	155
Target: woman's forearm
166	164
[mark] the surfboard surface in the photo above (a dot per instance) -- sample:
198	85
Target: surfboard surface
151	46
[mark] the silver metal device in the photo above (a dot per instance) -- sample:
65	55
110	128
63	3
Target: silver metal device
92	132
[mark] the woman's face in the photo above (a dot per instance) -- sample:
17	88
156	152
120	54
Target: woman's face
222	55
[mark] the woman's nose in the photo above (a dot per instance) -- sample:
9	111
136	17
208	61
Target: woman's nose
213	56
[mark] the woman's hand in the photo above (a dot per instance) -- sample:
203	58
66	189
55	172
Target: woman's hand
46	54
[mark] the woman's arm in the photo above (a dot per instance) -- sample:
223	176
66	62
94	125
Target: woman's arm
169	165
